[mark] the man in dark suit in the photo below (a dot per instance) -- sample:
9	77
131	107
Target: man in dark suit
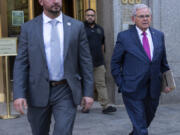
138	61
53	70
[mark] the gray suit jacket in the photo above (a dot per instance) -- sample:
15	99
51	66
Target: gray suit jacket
31	77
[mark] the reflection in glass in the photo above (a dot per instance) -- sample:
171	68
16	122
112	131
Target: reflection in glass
20	10
19	7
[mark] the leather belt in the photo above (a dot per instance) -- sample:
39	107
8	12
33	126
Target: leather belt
55	83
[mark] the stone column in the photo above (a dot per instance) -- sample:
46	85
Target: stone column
169	22
117	17
105	19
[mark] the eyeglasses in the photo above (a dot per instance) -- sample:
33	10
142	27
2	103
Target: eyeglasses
143	16
90	15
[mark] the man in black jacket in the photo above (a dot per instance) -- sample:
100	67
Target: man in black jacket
95	35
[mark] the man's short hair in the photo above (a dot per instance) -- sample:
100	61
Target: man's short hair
139	6
90	9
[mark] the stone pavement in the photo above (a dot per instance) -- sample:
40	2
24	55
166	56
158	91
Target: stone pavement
166	122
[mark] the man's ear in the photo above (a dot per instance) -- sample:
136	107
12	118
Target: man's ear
133	18
41	2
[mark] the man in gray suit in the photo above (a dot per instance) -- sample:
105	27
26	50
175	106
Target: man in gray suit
53	71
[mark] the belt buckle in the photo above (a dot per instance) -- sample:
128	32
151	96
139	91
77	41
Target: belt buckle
53	84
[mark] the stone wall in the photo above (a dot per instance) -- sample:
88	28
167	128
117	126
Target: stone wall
169	21
105	19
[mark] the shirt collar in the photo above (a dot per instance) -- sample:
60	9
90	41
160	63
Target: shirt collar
140	31
46	19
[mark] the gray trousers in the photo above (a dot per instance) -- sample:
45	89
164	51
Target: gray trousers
61	106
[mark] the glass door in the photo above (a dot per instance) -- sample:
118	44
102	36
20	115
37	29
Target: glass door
13	13
80	6
17	14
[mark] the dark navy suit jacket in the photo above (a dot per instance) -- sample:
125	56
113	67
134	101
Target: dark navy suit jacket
133	72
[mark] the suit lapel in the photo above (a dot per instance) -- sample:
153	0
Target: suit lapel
138	43
39	31
67	28
155	44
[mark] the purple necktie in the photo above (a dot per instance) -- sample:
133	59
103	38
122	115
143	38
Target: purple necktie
146	45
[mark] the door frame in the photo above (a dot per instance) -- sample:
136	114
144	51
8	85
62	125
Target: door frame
31	9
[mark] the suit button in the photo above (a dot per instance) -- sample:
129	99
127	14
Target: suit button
47	79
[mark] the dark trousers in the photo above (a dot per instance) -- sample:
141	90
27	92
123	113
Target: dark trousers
141	113
61	106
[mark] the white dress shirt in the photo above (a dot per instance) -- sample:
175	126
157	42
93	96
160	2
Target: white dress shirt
148	34
47	36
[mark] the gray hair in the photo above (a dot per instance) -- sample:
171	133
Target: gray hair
139	6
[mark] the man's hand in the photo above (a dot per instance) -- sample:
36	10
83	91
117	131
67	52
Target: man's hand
86	103
167	90
20	104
